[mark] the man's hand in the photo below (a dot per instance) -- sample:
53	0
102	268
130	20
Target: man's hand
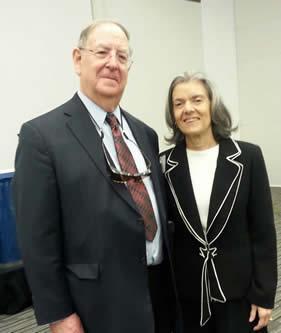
263	315
70	324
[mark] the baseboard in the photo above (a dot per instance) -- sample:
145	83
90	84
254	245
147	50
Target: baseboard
6	170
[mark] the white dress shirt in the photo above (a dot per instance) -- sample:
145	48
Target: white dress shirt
154	253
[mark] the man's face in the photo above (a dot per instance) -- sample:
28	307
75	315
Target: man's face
101	63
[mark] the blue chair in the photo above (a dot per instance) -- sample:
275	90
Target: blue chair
9	251
14	290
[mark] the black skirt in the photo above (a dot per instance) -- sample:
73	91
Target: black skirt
229	317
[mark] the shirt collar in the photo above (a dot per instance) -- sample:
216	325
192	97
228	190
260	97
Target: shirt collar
96	111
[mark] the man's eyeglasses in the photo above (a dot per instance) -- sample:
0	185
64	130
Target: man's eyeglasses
122	57
121	176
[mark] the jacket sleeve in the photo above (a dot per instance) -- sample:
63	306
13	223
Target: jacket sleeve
262	234
37	206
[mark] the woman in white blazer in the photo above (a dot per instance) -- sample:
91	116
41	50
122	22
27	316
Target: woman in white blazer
220	202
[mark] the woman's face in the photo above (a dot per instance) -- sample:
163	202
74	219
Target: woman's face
192	110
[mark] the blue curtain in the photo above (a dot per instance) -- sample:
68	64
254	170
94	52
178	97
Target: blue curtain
9	251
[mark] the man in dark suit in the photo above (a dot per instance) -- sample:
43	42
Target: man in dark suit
90	210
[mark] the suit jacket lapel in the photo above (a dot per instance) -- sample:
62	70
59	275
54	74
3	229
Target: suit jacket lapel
225	187
83	129
178	176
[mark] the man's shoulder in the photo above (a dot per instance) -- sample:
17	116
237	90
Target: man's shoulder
52	116
46	117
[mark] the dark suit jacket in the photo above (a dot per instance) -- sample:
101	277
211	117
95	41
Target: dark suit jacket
237	257
81	235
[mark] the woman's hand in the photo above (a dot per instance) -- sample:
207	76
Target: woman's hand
263	314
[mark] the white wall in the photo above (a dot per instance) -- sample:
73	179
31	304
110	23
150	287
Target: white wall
258	28
37	38
220	53
166	38
36	66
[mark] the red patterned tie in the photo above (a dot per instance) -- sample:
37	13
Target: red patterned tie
137	188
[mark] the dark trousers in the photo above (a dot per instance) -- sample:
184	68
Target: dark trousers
229	317
14	292
162	297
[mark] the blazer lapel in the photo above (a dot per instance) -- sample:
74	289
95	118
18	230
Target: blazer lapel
84	130
225	188
179	180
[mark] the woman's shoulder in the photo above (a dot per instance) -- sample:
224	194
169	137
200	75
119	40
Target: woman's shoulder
243	146
178	147
166	152
164	156
248	147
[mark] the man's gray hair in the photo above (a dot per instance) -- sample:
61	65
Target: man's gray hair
85	33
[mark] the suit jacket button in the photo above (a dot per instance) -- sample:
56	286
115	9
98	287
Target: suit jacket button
143	260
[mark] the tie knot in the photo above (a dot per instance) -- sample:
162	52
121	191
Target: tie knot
112	120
